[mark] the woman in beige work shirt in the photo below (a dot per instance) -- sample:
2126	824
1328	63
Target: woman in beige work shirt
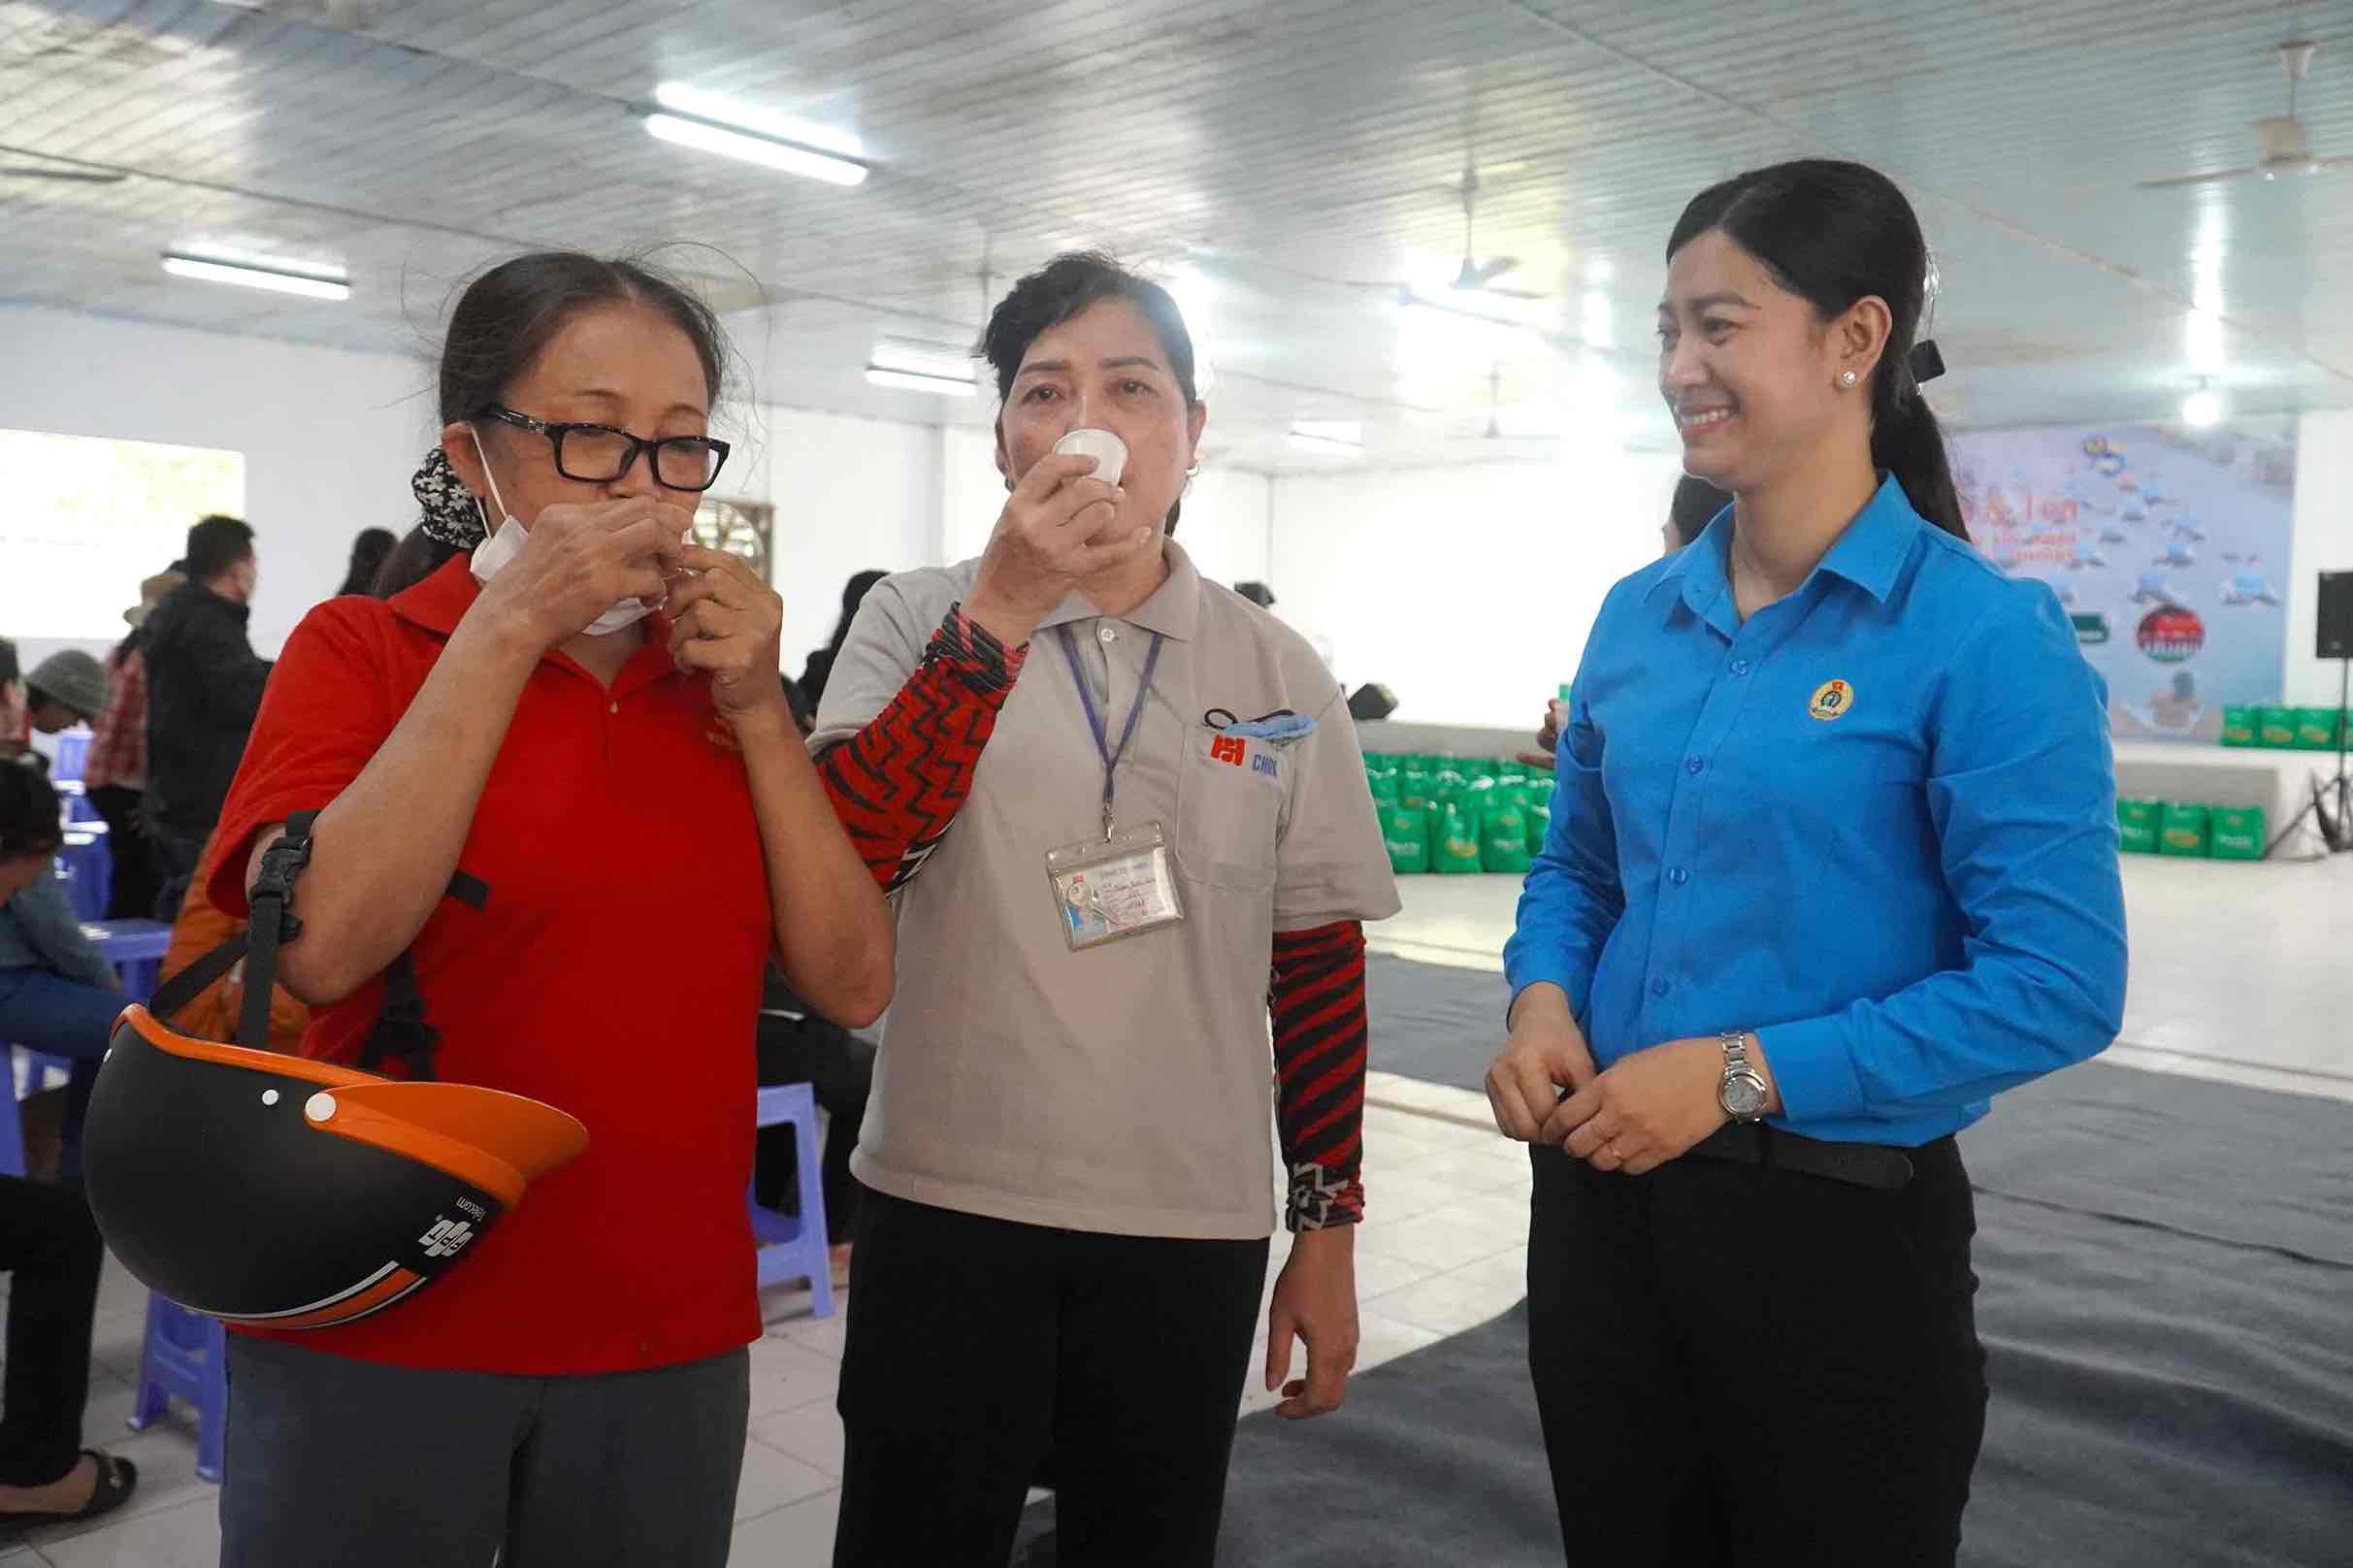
1121	806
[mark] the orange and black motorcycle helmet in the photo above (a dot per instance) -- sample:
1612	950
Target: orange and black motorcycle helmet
283	1192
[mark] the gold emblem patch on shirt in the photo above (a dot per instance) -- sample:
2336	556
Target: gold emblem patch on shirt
1831	700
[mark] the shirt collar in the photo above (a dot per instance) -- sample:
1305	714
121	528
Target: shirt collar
1174	609
1870	554
439	601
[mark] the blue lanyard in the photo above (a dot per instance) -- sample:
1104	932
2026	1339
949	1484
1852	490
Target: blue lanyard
1094	718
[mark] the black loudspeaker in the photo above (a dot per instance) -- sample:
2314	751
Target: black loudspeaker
1371	703
2335	631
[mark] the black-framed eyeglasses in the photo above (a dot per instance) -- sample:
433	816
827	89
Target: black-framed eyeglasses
598	454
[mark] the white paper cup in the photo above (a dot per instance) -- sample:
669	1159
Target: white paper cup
1110	453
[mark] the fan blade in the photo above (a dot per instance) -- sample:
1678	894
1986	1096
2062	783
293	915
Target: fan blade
1518	294
2181	181
1496	267
77	177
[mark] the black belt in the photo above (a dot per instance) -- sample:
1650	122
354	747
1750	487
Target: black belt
1860	1164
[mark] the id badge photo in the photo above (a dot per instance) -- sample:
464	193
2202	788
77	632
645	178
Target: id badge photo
1105	889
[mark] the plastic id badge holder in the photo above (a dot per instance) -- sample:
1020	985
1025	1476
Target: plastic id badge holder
1107	888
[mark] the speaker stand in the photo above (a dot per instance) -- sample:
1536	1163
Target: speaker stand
2335	819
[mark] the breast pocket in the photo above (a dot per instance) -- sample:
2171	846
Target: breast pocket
1230	809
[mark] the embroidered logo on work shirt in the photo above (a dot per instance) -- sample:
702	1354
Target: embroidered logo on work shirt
1831	700
1229	749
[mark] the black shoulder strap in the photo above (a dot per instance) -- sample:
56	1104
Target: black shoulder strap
401	1030
273	925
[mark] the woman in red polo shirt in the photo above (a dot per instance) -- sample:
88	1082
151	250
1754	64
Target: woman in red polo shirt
558	776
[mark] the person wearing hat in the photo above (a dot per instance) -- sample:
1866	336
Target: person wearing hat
65	689
115	775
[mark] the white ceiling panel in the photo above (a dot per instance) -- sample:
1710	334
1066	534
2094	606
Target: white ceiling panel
1298	156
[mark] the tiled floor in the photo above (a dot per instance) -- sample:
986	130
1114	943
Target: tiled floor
2239	973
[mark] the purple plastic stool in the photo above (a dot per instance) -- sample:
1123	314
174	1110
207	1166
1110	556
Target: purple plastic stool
186	1356
793	1246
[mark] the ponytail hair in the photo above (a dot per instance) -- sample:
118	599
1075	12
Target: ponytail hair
1834	233
1907	441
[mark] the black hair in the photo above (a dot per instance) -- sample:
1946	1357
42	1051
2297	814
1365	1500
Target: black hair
29	815
1258	593
1066	288
1834	233
216	544
1695	507
367	552
853	594
500	325
10	672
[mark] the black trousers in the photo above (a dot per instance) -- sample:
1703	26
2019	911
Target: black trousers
975	1346
136	876
1737	1364
178	848
50	1251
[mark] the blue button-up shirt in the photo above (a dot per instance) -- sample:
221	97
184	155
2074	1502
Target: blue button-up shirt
1873	823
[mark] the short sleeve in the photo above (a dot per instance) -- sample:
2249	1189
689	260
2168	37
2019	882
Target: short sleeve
329	705
1332	863
886	642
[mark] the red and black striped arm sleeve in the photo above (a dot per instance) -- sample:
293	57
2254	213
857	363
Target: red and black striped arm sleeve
897	784
1317	997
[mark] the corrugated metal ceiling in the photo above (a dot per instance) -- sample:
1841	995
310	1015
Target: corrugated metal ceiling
1286	153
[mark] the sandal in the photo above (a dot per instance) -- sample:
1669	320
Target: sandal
117	1478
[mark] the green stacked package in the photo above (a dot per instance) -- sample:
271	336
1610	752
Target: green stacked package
2137	825
1503	835
2275	726
2317	729
2185	830
1454	839
2241	723
1406	832
2236	832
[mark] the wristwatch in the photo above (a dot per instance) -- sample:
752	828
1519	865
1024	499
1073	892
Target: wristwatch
1742	1093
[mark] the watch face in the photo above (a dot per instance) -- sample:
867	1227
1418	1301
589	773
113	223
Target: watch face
1744	1095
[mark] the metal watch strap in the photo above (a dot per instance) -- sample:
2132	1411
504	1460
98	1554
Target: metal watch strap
1738	1065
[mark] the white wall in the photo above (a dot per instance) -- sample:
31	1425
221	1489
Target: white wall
329	437
2323	542
1467	591
850	495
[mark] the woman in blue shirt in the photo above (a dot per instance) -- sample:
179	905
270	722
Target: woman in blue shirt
1834	822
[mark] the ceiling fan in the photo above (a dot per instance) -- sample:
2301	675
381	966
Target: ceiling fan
1478	277
76	177
2278	138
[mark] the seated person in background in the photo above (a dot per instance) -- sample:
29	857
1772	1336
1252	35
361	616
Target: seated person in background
56	993
211	1014
67	688
798	1045
50	1251
1695	505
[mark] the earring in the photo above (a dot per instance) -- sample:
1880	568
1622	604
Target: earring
1847	379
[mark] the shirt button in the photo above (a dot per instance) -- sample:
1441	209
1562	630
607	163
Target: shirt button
1694	765
1659	988
1740	667
1109	633
1678	876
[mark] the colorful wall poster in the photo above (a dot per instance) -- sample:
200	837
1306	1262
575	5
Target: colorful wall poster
2168	546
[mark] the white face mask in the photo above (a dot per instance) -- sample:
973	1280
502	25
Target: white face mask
506	543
